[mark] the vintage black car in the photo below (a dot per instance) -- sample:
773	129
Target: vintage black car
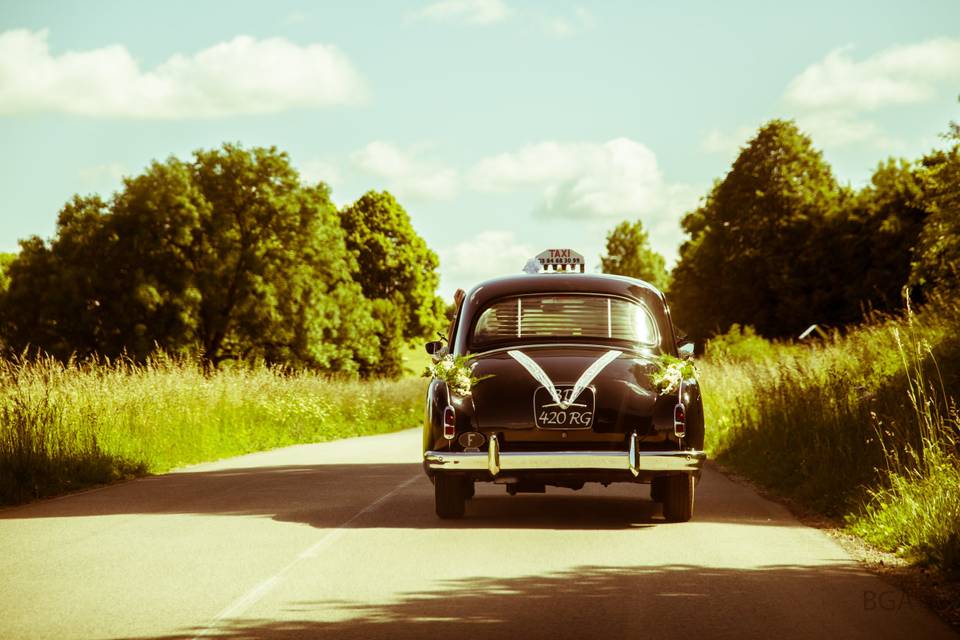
569	397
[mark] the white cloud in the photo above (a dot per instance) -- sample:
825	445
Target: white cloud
531	165
109	173
313	171
617	179
841	128
826	128
486	255
898	75
717	141
478	12
559	27
405	173
831	98
665	231
563	26
240	76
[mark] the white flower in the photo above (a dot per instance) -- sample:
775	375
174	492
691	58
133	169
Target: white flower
461	383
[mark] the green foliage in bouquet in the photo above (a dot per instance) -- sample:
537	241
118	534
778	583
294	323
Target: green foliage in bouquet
455	371
671	371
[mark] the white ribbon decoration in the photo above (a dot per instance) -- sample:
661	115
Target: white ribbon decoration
582	383
592	371
538	374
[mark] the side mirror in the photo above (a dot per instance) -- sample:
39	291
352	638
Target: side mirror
434	347
686	348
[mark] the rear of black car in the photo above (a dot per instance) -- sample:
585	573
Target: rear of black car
566	394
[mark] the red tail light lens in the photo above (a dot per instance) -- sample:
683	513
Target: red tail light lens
449	423
679	420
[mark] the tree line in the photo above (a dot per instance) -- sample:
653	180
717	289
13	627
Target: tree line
778	244
227	256
231	256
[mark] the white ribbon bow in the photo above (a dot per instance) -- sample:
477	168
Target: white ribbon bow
582	383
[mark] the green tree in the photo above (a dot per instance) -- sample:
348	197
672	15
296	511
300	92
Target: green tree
228	256
871	242
936	264
270	261
629	254
52	302
394	264
753	256
5	260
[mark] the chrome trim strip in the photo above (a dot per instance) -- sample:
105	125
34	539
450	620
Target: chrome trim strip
496	461
633	455
642	349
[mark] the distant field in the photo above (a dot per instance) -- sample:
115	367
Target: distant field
864	425
415	359
66	427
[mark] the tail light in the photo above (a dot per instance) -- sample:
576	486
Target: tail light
449	423
679	420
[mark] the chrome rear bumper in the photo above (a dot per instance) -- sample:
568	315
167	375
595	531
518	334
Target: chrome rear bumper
634	460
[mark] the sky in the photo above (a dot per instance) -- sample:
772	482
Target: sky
503	127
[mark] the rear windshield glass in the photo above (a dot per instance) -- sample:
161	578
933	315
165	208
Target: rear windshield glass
563	317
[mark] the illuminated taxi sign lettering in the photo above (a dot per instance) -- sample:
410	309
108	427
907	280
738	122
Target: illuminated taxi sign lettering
560	260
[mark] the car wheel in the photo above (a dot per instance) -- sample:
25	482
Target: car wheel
695	428
449	496
658	489
678	498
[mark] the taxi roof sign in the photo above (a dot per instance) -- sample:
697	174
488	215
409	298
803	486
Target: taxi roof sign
560	260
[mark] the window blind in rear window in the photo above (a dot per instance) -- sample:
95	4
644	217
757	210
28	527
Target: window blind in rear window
552	317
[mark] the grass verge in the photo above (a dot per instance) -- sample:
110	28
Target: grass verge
64	427
863	426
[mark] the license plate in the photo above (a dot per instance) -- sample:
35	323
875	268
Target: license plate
548	415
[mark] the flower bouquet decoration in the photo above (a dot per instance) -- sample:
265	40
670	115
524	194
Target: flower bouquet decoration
455	371
671	372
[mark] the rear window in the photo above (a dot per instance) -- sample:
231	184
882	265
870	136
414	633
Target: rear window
563	317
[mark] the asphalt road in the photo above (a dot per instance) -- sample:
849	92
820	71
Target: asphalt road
340	540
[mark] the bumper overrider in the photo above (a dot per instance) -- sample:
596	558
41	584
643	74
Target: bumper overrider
633	460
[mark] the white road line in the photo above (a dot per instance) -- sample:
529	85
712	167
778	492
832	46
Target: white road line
257	593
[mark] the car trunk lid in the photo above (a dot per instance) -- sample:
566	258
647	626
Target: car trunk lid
622	397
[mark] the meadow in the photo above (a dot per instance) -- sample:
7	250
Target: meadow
862	426
68	426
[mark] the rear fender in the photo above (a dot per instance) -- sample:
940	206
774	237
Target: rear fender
693	402
438	397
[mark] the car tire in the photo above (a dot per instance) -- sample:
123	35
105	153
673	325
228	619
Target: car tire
695	428
449	496
678	498
658	489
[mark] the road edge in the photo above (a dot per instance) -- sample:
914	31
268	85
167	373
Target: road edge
935	590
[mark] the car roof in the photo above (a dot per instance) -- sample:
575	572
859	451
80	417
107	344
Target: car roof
602	283
487	291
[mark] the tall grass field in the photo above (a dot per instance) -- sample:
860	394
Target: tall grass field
863	426
66	426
